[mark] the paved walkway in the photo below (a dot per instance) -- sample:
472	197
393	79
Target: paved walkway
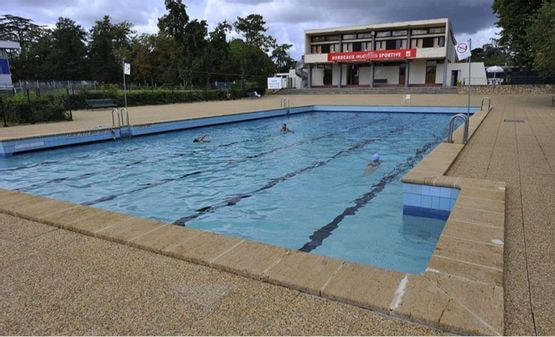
89	286
91	119
516	144
59	282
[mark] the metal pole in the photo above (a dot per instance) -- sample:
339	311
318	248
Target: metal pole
124	86
3	112
469	78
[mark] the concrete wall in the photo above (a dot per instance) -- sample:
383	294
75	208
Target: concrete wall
417	72
317	76
391	73
439	74
478	72
364	75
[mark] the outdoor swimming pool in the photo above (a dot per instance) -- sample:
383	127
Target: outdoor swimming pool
305	190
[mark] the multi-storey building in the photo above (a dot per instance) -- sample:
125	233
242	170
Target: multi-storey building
412	53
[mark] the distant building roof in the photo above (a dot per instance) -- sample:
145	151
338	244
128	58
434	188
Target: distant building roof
5	44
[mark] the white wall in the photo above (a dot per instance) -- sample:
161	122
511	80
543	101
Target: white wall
317	76
364	75
439	74
417	72
478	72
391	73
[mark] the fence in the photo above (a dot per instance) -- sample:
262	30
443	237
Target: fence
35	101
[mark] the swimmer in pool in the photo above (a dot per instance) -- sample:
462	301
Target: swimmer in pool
373	165
200	139
285	129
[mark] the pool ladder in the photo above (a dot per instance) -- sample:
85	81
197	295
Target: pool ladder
123	121
285	103
452	121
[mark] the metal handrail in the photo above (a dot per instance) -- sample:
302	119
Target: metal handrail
452	120
124	117
482	104
115	111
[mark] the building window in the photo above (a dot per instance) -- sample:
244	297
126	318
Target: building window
318	38
440	41
332	38
428	42
367	45
347	47
325	48
383	34
316	49
437	30
399	33
364	35
416	43
380	45
419	31
357	46
390	44
349	36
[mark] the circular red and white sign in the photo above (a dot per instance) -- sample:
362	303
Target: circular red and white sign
462	47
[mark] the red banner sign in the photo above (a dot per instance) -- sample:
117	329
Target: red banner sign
392	54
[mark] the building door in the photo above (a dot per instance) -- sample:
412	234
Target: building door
431	72
454	77
352	74
328	74
402	73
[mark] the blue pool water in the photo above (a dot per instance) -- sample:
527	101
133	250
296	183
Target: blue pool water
305	190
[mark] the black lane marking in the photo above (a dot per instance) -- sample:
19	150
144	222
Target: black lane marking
141	188
318	236
229	163
231	201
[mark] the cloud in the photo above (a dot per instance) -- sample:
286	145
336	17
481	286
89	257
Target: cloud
286	19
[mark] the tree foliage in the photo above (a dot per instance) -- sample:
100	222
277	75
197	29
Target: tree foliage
541	35
515	18
183	52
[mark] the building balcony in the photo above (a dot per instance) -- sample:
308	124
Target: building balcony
421	53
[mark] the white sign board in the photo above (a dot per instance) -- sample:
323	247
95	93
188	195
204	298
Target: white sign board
463	50
274	83
127	69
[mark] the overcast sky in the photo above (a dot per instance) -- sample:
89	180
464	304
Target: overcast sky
286	19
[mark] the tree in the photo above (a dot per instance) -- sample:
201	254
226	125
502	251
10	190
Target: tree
173	24
109	44
217	58
514	17
67	56
253	29
254	64
17	28
281	58
491	54
541	35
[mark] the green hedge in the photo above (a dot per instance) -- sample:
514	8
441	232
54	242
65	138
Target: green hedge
42	109
155	97
57	107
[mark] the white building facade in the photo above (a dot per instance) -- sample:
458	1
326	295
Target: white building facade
412	53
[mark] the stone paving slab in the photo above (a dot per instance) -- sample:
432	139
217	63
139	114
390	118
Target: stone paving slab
389	292
98	287
521	154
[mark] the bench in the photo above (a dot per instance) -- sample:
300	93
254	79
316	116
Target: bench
101	103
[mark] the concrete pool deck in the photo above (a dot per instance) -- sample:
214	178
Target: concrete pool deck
86	120
448	310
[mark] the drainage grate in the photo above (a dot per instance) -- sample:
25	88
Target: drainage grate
514	120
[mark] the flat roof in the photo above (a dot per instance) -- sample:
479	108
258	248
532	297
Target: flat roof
414	23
